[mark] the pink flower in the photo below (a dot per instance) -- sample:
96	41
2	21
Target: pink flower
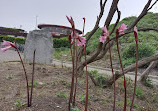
8	45
80	41
102	39
74	37
135	33
122	28
105	35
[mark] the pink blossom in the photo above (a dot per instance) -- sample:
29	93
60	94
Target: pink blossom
8	45
80	41
135	29
102	39
105	34
5	48
135	33
122	28
74	37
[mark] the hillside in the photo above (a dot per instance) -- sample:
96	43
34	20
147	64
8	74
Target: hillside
150	37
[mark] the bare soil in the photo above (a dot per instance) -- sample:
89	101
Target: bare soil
51	93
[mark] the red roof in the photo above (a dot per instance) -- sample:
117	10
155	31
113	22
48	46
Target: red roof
50	25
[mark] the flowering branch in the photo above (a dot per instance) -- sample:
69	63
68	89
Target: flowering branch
8	46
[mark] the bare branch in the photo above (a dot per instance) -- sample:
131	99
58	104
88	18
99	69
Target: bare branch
102	6
117	21
140	29
145	74
152	5
108	20
97	52
111	13
98	20
103	52
141	63
143	13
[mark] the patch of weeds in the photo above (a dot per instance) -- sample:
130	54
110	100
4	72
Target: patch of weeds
62	95
65	84
9	77
68	85
121	104
62	51
128	84
128	81
94	72
74	109
148	82
35	83
82	98
104	102
54	82
98	78
19	104
129	104
121	86
139	93
90	86
154	98
100	81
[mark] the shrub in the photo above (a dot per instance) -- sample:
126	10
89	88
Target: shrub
57	43
129	53
18	104
149	83
62	42
139	93
11	39
74	109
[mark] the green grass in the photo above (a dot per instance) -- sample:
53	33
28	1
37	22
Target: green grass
139	93
19	104
62	95
35	83
62	54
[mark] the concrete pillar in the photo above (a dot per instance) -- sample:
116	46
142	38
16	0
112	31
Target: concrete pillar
43	43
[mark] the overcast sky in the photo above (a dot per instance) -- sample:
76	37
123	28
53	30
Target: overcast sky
22	13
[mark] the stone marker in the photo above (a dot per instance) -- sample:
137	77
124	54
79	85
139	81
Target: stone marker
41	41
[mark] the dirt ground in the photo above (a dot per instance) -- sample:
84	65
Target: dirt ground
52	87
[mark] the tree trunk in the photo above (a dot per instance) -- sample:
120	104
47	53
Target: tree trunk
146	72
118	74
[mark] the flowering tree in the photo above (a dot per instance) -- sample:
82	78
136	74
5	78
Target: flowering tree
102	47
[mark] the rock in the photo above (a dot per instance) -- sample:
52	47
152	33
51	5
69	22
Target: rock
41	41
